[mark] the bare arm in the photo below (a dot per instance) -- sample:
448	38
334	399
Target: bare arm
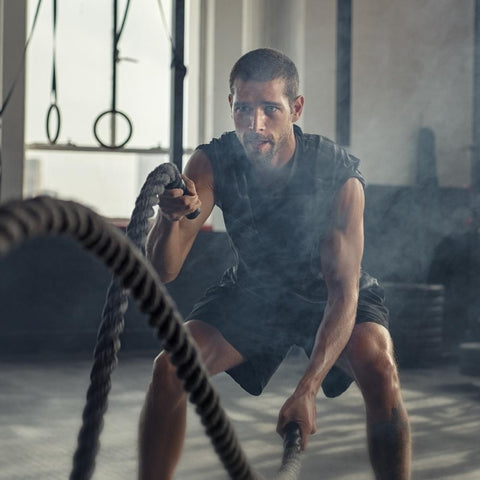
172	234
341	257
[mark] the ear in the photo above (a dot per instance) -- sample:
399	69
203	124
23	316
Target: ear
297	107
230	102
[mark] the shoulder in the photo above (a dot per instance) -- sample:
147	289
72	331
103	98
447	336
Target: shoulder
199	168
330	161
213	164
222	152
206	155
226	143
349	204
327	149
351	192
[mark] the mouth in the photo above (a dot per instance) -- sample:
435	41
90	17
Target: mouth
258	143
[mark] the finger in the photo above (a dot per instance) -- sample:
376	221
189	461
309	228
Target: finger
304	440
170	193
306	433
176	208
281	426
304	436
170	204
172	208
172	215
189	185
282	421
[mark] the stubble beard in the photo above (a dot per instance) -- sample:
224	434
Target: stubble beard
263	159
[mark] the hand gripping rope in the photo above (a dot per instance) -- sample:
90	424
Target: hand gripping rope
132	274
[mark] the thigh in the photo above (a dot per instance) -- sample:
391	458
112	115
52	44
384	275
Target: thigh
248	326
370	337
217	354
244	319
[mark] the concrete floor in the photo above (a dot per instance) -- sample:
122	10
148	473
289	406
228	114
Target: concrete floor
41	400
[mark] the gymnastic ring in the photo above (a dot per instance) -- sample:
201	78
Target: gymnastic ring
113	112
53	108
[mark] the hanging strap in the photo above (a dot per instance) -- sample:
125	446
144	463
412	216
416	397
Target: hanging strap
113	113
176	61
53	109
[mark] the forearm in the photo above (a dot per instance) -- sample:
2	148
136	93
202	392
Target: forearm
166	249
332	337
173	233
341	255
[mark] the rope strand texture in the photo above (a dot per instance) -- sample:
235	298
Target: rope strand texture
108	344
292	453
42	216
108	339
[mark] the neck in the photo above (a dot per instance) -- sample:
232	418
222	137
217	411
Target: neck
272	175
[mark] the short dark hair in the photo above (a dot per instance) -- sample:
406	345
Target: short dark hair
265	64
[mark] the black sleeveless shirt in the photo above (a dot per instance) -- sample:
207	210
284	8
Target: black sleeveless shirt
276	232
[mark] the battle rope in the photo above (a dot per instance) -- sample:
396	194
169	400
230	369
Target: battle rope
20	220
112	324
292	453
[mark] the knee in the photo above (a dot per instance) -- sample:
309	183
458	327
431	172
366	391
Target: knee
380	386
164	375
378	375
164	372
376	372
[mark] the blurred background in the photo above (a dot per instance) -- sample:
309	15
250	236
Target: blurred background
396	83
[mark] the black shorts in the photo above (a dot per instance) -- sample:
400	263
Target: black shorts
263	327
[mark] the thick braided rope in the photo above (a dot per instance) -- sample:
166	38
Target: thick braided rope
105	361
46	216
292	454
111	327
213	418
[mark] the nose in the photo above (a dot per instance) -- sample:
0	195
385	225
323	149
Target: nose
257	120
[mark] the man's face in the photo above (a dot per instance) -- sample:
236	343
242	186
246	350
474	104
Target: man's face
264	118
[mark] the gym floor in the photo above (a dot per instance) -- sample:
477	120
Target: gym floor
41	400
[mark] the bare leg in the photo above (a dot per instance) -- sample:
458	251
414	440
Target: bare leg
370	356
389	445
163	418
162	423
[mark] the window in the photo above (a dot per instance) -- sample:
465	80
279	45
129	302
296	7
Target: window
109	182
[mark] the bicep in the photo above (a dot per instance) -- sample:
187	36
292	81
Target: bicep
342	249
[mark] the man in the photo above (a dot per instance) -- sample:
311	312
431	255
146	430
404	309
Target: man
293	208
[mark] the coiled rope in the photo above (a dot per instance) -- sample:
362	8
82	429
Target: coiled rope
20	220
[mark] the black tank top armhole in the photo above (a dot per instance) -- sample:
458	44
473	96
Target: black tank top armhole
211	151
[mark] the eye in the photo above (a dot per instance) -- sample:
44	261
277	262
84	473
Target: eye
242	109
270	109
